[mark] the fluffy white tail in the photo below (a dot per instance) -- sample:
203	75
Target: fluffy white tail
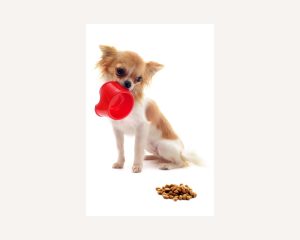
192	157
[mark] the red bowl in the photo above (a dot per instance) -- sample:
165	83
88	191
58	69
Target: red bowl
115	102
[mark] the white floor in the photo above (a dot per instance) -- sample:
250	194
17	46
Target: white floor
119	192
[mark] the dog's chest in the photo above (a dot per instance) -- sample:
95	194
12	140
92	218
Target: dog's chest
129	124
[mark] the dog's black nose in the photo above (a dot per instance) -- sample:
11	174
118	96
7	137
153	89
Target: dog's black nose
127	84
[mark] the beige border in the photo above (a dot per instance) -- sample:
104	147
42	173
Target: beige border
42	120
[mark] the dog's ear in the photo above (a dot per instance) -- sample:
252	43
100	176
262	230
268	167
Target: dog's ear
108	56
107	51
152	68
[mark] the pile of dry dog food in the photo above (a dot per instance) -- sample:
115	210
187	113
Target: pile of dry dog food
176	192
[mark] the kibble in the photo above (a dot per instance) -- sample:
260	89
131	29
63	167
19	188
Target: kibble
176	192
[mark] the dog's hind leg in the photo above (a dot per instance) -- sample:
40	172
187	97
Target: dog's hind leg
152	157
170	150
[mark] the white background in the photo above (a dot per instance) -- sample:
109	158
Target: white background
184	90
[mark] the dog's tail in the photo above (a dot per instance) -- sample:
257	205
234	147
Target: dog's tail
191	156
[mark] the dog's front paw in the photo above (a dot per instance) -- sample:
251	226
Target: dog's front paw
118	165
136	168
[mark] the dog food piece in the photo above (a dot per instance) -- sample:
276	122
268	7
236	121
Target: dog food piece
176	192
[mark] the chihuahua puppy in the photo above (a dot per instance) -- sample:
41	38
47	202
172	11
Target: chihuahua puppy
152	130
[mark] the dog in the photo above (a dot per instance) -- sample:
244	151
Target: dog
152	130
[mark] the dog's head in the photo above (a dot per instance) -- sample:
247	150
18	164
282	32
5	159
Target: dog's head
128	68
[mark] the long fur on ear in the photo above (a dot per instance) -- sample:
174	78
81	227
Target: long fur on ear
107	50
152	68
108	55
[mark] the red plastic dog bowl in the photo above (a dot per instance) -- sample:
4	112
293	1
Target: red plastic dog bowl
115	102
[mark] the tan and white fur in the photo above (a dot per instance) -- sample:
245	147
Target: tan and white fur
151	129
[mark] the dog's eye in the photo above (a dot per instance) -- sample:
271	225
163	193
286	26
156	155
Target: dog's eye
120	72
138	79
